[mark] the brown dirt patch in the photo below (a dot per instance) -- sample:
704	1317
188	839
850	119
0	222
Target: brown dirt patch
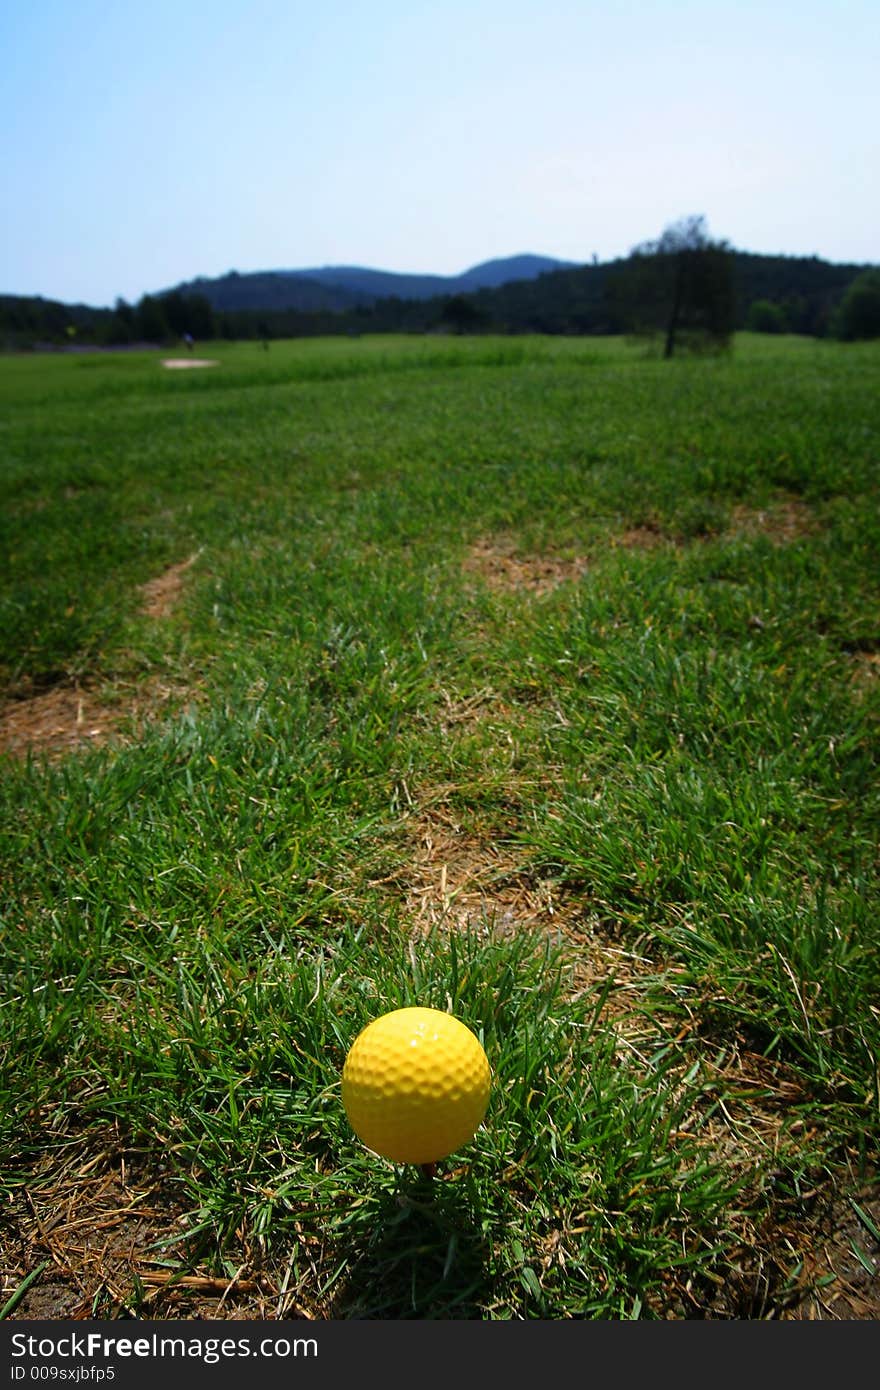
498	563
106	1238
100	1228
866	670
68	718
74	715
456	878
162	594
782	521
461	879
845	1252
640	538
56	720
495	561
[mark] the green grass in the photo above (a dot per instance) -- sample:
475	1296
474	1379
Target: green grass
675	747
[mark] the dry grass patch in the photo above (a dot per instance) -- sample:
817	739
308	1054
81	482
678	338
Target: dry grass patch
69	718
805	1258
782	521
74	715
495	562
841	1272
460	879
55	721
485	710
645	537
162	594
865	671
456	878
107	1238
499	725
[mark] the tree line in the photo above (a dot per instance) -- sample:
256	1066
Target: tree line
685	291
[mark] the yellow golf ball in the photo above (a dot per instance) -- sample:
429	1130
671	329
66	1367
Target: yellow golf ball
415	1085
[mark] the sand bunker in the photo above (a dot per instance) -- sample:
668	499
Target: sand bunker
189	362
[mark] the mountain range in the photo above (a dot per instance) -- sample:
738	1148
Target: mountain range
341	287
519	294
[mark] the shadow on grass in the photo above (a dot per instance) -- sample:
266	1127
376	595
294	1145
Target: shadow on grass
415	1250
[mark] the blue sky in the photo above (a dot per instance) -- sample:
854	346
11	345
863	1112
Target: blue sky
143	144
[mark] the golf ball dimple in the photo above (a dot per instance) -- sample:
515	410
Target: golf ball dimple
415	1085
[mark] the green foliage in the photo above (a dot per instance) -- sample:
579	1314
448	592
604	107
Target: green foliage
766	317
462	315
679	287
151	320
577	301
859	313
807	288
187	314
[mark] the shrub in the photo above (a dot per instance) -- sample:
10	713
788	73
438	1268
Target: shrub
859	312
766	317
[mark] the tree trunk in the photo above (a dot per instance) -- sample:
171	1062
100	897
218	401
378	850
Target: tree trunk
675	310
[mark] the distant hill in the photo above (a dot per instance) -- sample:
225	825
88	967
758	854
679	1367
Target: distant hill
341	287
807	290
521	294
518	294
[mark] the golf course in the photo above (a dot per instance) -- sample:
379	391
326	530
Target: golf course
533	680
